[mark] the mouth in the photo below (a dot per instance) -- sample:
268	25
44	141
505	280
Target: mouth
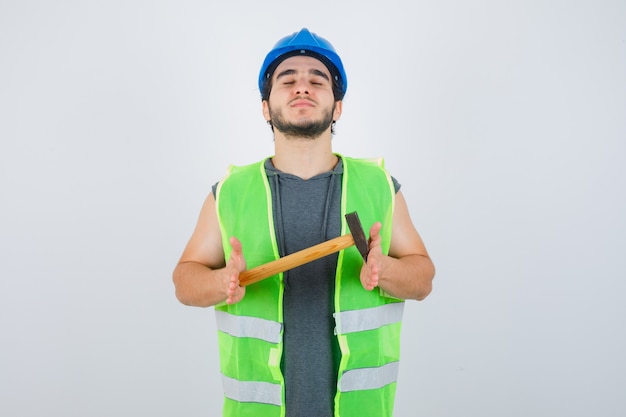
302	102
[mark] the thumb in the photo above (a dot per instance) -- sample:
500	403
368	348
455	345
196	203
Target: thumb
236	255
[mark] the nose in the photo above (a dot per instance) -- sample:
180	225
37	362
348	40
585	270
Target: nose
301	87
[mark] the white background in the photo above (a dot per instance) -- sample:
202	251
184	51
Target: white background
503	120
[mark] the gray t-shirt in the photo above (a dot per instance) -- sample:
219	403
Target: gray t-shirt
307	212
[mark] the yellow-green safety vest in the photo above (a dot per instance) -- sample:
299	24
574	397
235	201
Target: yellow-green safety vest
367	322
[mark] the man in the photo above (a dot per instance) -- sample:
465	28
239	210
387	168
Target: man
321	339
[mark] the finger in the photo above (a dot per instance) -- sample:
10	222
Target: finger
236	255
375	230
369	277
236	245
373	278
232	292
236	296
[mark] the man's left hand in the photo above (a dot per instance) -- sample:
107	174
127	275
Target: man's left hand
372	269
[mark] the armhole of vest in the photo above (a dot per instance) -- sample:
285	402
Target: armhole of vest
392	190
218	190
230	170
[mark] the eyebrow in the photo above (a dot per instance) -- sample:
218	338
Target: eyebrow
312	71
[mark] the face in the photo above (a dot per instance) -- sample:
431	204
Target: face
301	102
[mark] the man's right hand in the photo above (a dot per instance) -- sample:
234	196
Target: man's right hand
235	265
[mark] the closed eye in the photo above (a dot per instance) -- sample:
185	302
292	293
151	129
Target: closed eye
317	77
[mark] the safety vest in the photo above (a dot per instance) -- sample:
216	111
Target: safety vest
367	322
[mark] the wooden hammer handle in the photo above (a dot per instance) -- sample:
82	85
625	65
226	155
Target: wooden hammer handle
295	259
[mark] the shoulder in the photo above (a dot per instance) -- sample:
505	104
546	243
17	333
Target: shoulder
237	173
235	170
374	164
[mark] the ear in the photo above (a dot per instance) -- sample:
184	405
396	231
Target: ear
338	110
266	111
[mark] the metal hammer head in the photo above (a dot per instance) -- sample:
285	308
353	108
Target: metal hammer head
356	230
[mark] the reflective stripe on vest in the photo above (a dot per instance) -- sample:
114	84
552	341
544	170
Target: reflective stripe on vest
368	318
252	391
368	378
246	326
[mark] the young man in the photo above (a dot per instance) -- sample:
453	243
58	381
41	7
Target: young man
321	339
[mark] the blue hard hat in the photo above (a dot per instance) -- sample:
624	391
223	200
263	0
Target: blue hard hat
305	43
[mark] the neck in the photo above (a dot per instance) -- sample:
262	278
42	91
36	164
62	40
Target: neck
304	158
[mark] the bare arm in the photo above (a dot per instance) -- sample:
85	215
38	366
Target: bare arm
407	272
202	277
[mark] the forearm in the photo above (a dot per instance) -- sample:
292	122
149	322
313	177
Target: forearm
197	285
409	277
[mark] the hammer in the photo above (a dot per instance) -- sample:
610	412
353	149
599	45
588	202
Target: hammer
355	237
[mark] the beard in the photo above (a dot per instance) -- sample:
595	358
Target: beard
305	128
